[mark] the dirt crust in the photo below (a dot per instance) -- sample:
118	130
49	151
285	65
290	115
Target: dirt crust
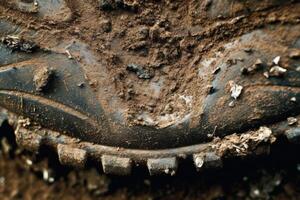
143	56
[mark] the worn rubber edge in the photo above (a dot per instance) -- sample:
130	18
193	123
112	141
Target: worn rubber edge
120	161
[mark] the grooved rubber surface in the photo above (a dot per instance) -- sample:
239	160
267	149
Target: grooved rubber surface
133	82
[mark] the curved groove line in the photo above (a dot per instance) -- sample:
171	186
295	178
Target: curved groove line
51	103
21	64
274	87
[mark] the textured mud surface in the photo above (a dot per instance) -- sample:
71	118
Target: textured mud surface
150	83
129	73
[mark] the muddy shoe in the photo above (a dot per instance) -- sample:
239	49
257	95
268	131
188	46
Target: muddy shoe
144	84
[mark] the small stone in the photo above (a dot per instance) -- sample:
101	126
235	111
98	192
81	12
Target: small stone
231	104
277	71
256	192
199	161
48	176
29	162
42	78
266	74
235	89
69	54
293	99
292	121
298	69
276	60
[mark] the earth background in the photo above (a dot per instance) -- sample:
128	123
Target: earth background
24	175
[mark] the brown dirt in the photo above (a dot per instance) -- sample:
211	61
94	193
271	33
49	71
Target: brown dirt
164	39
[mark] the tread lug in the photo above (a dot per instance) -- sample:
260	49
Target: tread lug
28	139
71	156
207	160
116	165
162	166
212	160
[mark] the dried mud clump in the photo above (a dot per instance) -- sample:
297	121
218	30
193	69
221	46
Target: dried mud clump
244	144
18	44
140	71
42	78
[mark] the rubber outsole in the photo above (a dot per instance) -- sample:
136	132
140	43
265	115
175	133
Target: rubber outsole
120	161
53	87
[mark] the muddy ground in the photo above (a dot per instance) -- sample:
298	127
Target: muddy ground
24	175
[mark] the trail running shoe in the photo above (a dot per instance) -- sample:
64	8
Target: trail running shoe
150	83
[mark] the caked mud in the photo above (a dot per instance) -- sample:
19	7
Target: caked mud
152	82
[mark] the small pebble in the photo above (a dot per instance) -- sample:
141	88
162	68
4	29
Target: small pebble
276	60
293	99
266	74
235	89
231	104
292	121
69	54
256	192
277	71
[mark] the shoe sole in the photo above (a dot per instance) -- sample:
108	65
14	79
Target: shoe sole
121	161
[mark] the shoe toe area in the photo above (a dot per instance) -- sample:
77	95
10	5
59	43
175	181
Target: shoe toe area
248	92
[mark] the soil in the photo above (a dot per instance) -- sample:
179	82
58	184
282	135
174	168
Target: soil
27	176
